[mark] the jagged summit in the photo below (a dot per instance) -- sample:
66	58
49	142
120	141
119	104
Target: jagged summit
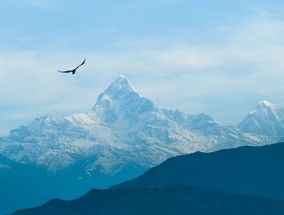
116	90
263	107
264	104
121	100
121	82
264	119
119	86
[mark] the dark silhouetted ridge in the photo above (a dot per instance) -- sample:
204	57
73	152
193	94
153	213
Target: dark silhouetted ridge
160	200
242	181
245	170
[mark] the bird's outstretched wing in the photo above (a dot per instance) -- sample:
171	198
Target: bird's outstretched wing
80	64
73	70
65	71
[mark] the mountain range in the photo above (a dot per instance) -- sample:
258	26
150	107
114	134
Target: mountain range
241	181
120	138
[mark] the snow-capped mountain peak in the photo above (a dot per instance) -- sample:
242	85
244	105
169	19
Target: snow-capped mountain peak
119	86
121	101
264	105
264	109
265	118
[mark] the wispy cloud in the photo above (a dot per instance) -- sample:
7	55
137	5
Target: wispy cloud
244	67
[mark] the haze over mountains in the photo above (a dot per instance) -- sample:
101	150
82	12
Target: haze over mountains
123	136
245	181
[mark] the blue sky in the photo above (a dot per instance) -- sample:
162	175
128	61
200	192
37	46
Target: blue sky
217	57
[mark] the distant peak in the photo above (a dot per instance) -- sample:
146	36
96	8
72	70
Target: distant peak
121	80
120	99
121	83
263	106
116	91
121	77
265	103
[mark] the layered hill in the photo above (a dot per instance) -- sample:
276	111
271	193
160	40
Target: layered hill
246	180
167	200
245	170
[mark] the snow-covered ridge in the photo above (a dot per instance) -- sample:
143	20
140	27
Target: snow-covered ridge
124	128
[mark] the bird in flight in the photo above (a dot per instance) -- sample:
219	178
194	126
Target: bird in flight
73	70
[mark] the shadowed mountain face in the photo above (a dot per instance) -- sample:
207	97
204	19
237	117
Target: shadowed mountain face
183	185
244	170
161	200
